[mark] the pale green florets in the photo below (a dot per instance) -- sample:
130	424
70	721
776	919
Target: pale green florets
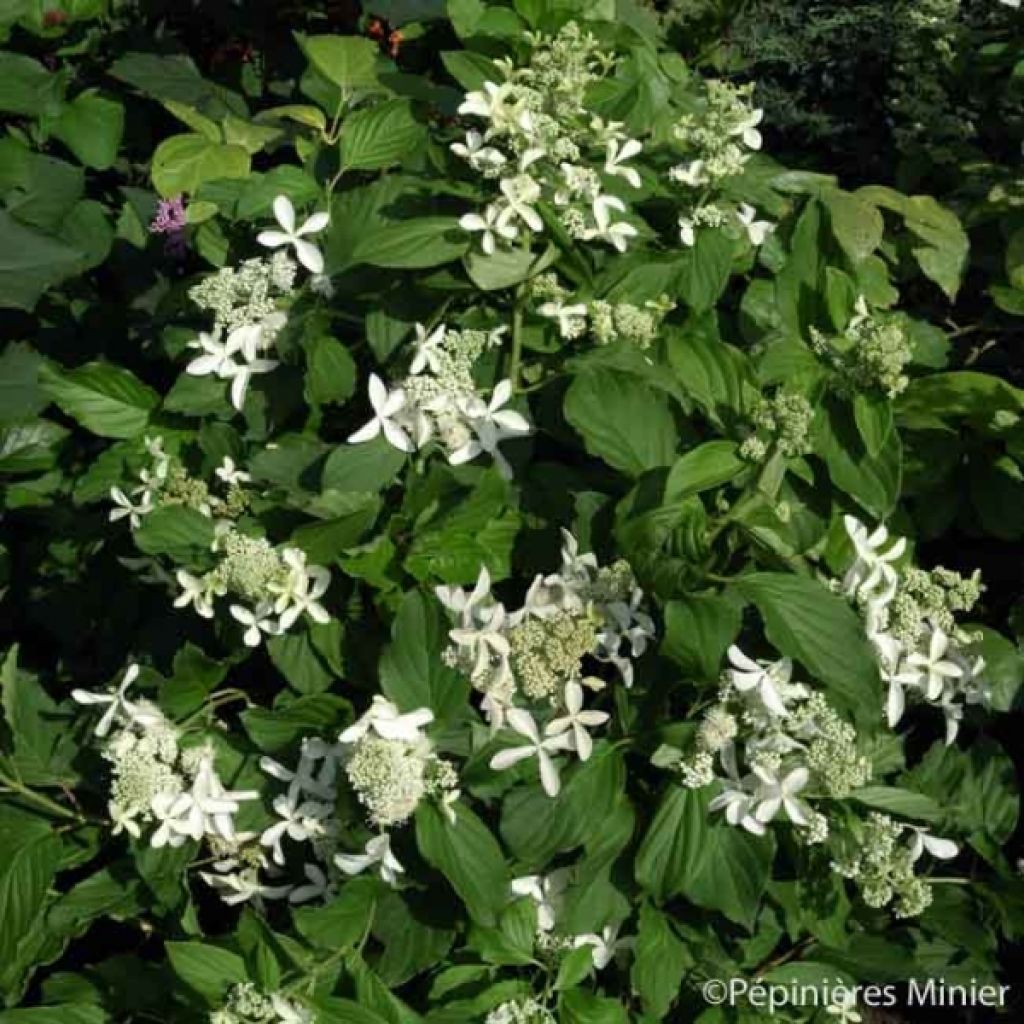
143	766
526	1011
883	869
710	134
698	771
246	294
718	729
785	420
246	1004
546	653
931	598
832	749
389	778
250	567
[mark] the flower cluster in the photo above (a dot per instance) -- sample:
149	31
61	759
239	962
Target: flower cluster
246	1004
440	399
536	655
783	422
606	322
156	780
243	302
780	746
870	355
882	864
910	619
389	765
272	587
520	1011
541	145
717	138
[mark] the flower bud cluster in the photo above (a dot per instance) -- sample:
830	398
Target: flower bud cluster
246	1004
520	1011
783	421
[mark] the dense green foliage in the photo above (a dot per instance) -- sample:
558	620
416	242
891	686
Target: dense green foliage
511	510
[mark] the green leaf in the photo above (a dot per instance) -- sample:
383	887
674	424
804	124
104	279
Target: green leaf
348	61
943	256
505	268
30	262
175	530
331	373
26	87
468	856
582	1007
207	969
901	802
806	621
272	730
295	657
660	958
21	397
703	269
621	420
184	162
106	399
874	418
30	447
856	223
412	672
413	244
60	1013
367	467
91	127
380	136
344	920
698	631
709	465
671	849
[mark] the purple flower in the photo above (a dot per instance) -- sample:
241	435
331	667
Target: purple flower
170	220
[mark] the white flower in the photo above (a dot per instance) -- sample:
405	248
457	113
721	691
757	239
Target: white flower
216	357
243	886
215	806
481	104
317	886
116	701
687	235
194	591
872	574
300	820
486	642
775	793
377	851
241	376
122	822
480	157
616	155
289	1012
227	472
126	507
389	723
749	675
256	622
306	253
738	805
568	317
843	1007
385	407
523	723
932	670
171	810
615	234
314	781
520	194
252	339
747	128
428	347
757	230
306	585
922	840
692	175
464	605
547	891
604	947
492	425
494	224
576	721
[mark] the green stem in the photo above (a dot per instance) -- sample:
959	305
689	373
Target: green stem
43	802
517	340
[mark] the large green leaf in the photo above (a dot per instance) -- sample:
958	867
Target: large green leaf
184	162
106	399
379	136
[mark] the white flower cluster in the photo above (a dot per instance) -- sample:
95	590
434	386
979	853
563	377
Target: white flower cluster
548	893
520	1011
535	655
389	764
540	145
439	399
272	587
246	1004
155	780
606	322
910	619
243	302
780	746
718	137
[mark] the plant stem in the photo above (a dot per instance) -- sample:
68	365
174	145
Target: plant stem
517	339
44	802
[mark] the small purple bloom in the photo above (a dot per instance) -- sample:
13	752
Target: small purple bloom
170	220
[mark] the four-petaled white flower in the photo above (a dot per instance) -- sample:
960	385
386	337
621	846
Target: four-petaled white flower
116	701
520	194
230	474
215	358
739	806
567	316
428	347
385	407
747	129
257	621
305	586
615	157
241	375
492	424
485	642
478	155
126	507
575	722
844	1007
523	723
289	1012
306	252
757	230
377	851
604	947
687	234
749	675
615	233
547	891
932	668
194	591
921	841
494	224
389	723
776	793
